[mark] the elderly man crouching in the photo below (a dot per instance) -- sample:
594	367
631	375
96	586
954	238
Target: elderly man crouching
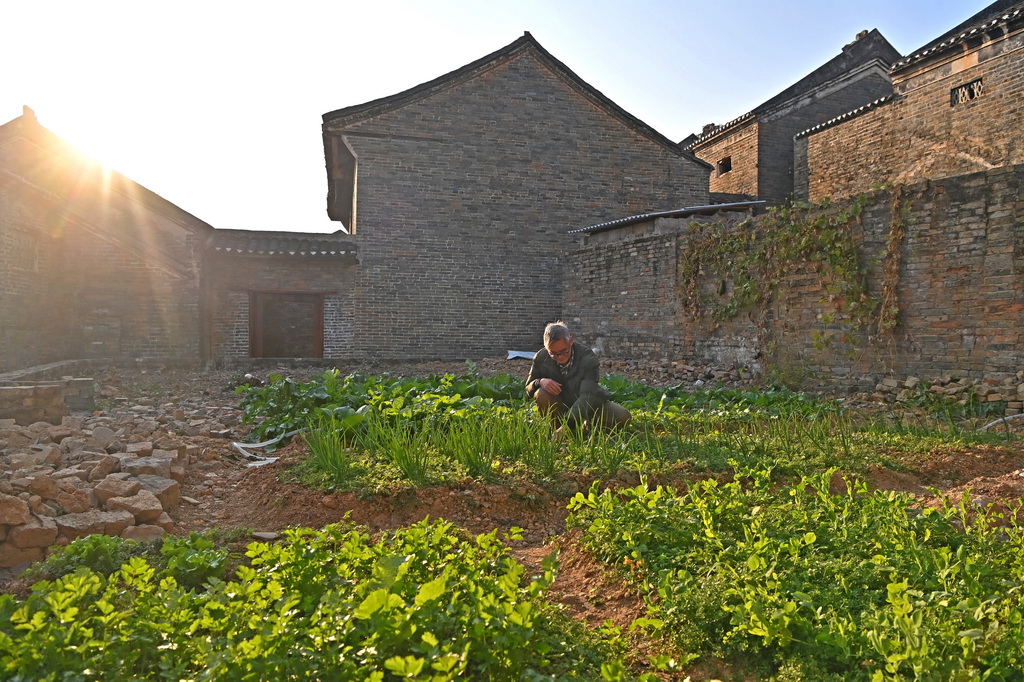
563	381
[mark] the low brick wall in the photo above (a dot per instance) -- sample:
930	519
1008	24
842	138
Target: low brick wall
959	293
46	393
29	404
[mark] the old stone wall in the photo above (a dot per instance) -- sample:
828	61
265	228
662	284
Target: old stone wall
959	292
464	198
958	116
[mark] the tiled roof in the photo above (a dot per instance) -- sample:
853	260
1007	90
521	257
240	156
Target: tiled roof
714	131
995	14
847	116
253	243
868	47
676	213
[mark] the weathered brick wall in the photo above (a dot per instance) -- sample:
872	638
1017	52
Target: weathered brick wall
622	298
464	198
960	291
919	135
231	278
775	142
70	289
740	146
761	149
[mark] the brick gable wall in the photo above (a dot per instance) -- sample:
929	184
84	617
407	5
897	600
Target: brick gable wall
464	198
76	289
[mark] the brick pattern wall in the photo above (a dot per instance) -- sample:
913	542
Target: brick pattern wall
761	149
464	199
231	278
71	290
775	141
960	290
623	299
920	135
46	401
741	147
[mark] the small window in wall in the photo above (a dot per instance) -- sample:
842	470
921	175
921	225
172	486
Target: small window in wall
725	165
965	93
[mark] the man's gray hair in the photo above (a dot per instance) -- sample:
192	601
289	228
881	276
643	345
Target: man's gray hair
556	331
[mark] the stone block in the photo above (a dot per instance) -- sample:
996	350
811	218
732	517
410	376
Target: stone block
105	466
143	533
38	532
11	556
156	466
167	490
143	449
74	502
176	456
13	511
103	435
72	526
45	487
115	487
143	505
165	521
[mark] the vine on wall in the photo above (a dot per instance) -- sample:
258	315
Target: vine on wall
746	263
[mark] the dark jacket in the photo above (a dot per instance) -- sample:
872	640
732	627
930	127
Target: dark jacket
581	392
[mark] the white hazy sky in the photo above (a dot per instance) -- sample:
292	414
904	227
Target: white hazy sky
216	105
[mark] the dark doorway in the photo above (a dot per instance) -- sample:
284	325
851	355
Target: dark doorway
286	325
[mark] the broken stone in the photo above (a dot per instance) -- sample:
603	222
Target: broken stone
11	556
13	511
45	487
143	449
104	467
115	487
73	526
157	466
266	536
74	502
167	490
143	505
37	532
165	522
143	533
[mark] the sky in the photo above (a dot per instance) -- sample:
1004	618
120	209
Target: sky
216	105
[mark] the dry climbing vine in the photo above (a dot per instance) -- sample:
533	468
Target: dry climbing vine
889	310
747	262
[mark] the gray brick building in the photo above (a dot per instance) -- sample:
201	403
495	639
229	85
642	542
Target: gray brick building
753	154
459	193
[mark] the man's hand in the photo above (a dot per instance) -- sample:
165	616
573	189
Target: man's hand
551	386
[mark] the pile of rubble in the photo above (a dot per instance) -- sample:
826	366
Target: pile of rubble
117	473
1009	390
667	372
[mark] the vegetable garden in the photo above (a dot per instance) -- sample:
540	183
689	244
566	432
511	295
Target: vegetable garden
753	539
